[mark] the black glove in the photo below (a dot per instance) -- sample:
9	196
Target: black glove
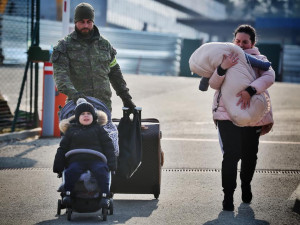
127	102
76	96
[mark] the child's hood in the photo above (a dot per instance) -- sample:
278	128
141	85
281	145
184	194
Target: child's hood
65	123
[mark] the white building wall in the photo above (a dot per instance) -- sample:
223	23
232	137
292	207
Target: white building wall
132	14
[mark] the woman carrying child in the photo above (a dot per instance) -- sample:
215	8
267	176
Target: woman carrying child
240	143
86	145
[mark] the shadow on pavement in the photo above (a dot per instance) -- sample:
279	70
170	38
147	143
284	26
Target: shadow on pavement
18	161
245	215
127	209
124	210
78	218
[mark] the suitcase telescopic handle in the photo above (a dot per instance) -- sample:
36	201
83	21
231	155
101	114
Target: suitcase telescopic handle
125	111
137	110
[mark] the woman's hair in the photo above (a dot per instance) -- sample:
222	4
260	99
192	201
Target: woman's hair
248	30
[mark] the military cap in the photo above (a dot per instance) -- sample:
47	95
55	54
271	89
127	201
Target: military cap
84	11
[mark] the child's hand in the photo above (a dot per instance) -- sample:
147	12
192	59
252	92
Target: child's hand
244	99
229	60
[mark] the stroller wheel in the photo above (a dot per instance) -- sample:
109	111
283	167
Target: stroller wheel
69	214
59	207
111	207
104	214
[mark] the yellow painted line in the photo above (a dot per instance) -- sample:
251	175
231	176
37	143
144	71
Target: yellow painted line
216	140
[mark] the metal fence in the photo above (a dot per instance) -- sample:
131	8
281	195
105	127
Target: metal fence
15	28
138	52
146	53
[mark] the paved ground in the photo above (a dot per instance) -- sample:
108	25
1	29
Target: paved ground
191	179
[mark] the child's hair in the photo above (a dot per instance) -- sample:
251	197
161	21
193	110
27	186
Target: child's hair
245	28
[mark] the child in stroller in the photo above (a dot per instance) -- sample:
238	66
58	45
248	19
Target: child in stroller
85	149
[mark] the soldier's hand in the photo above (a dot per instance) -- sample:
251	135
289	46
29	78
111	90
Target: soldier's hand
127	102
76	96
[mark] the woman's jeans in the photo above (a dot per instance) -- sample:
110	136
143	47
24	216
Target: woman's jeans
98	168
238	143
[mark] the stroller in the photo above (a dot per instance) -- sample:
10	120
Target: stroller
86	194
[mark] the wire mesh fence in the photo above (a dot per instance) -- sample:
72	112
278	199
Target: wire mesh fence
15	36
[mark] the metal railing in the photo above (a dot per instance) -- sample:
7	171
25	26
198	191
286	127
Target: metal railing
138	52
291	66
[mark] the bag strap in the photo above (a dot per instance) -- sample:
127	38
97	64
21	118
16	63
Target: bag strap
218	101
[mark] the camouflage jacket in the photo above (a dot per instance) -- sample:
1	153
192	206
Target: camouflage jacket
88	66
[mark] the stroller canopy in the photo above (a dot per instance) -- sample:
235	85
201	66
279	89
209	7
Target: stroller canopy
69	110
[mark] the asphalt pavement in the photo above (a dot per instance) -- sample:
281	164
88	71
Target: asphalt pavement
191	190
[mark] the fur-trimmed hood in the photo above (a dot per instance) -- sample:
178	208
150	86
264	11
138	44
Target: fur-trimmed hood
65	123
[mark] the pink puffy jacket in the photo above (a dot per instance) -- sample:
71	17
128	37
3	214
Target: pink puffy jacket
264	79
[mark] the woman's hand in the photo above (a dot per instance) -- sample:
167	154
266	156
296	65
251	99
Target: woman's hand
229	60
244	99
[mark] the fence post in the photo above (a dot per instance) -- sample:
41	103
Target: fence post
1	28
50	106
65	17
2	10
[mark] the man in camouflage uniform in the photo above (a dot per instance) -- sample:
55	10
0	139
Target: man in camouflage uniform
84	62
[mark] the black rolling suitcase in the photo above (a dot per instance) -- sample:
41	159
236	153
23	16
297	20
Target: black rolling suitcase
147	178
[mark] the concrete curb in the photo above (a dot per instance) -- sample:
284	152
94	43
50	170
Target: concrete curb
21	135
296	207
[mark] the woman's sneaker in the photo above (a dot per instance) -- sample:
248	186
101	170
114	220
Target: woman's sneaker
228	202
246	193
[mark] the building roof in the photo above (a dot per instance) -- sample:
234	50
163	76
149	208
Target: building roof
269	29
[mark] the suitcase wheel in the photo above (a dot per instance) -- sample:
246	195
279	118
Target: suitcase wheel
162	158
